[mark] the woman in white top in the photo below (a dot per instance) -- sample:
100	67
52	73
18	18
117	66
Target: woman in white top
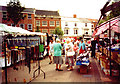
69	57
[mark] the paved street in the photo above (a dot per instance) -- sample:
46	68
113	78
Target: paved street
94	73
22	75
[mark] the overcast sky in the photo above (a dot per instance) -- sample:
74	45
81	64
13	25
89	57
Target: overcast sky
83	8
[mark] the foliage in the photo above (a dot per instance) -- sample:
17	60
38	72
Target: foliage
14	11
58	31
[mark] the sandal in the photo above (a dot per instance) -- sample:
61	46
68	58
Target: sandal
60	69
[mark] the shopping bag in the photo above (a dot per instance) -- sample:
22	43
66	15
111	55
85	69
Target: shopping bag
70	53
45	52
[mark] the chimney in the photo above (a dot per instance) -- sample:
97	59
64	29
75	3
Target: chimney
74	16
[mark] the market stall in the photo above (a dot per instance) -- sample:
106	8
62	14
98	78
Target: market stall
20	52
108	57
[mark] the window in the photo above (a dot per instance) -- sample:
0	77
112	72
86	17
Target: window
75	31
51	31
86	32
57	23
44	31
66	24
75	24
22	26
85	24
65	31
92	26
29	16
37	23
92	31
29	26
4	15
52	23
44	23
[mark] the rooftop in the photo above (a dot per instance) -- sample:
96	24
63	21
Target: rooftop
47	13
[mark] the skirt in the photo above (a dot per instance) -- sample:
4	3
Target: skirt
58	60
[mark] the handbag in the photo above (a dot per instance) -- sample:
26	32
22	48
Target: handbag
70	53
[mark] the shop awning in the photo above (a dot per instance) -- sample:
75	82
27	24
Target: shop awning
114	23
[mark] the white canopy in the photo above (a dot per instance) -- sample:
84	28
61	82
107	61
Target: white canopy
17	30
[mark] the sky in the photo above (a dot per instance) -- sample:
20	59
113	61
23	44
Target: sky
82	8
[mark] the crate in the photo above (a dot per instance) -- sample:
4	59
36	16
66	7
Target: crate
83	69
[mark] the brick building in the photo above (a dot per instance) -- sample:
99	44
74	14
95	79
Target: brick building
44	20
47	21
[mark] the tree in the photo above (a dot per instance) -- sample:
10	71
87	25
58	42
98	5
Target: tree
14	11
58	31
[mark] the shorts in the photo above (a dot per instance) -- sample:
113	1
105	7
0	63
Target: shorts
58	60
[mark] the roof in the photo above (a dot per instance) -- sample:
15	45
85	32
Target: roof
71	19
47	13
93	20
84	20
3	8
30	10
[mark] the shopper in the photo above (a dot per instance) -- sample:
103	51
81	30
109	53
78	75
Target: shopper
93	47
69	55
51	51
75	48
57	55
82	47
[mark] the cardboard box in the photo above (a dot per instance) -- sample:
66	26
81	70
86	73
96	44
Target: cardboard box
118	55
115	72
106	64
118	60
114	55
83	69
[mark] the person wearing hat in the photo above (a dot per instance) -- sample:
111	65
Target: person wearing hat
57	55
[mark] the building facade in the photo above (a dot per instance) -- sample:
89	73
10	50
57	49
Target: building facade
43	20
93	23
75	27
27	23
47	21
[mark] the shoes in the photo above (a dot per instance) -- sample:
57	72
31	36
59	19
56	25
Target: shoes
50	62
69	69
15	68
60	69
56	69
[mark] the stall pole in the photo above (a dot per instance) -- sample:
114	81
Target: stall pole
5	60
38	61
110	48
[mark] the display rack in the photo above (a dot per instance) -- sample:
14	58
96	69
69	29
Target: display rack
21	50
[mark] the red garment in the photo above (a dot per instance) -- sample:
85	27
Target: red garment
75	48
81	50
